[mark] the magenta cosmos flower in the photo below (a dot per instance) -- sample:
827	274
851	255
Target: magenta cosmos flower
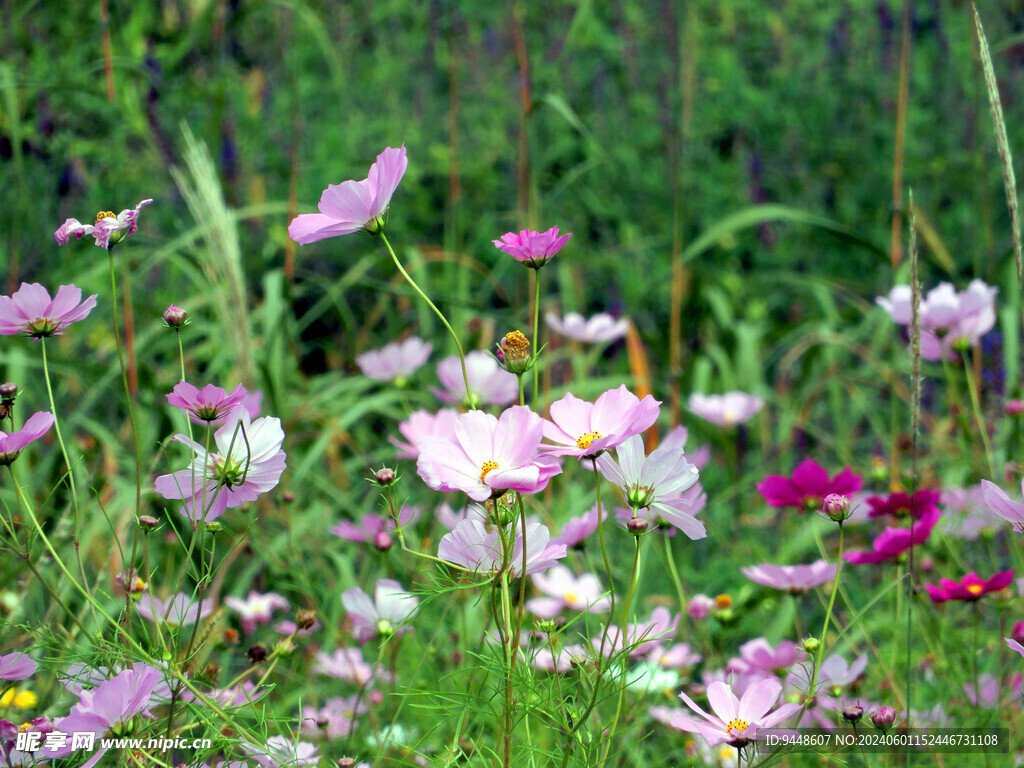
31	311
726	410
735	721
353	205
899	504
11	444
16	666
473	548
1003	505
808	486
108	229
384	615
249	463
600	327
207	404
893	542
533	249
395	361
969	588
487	456
489	383
586	429
791	578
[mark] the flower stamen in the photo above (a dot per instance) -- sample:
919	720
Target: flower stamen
104	215
737	725
583	441
486	468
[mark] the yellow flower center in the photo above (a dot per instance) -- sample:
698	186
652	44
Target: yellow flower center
975	589
583	441
737	725
571	598
487	467
104	215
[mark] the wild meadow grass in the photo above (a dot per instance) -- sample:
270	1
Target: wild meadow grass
620	305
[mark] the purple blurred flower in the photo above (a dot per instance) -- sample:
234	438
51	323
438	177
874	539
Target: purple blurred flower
791	578
337	718
600	327
758	656
585	429
969	588
488	455
735	721
424	424
726	410
449	518
370	525
641	638
31	311
208	404
345	664
35	427
280	751
808	486
108	229
1002	505
577	529
700	607
893	542
178	609
385	615
395	361
489	383
472	547
353	205
565	590
256	608
899	504
16	666
533	249
967	514
250	463
678	656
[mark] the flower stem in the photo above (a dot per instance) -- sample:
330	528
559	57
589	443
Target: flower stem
972	390
415	287
536	338
60	437
125	379
828	618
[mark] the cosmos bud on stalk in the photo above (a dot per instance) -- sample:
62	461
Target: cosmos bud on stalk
836	507
514	353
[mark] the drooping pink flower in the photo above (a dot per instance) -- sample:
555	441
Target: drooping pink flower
585	429
472	547
899	504
735	721
208	404
108	229
488	455
726	410
353	205
16	666
385	615
893	542
566	590
31	311
1002	505
180	609
489	383
395	361
577	529
808	486
791	578
424	424
600	327
256	608
35	427
969	588
530	248
249	463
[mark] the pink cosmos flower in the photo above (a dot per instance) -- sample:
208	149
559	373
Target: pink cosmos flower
700	606
35	427
678	656
533	249
16	666
395	361
336	720
249	463
472	547
424	424
1002	505
966	513
758	657
641	638
31	311
370	525
180	609
600	327
487	456
449	518
893	542
385	615
207	404
899	504
353	205
969	588
585	429
736	721
794	579
345	664
807	488
489	383
948	319
726	410
108	229
577	529
256	608
280	751
565	590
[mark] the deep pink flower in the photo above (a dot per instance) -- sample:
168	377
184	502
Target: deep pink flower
487	456
385	615
424	424
791	578
31	311
249	463
899	504
35	427
969	588
489	383
808	486
207	404
534	249
736	721
16	666
726	410
566	590
600	327
893	542
395	361
256	608
1002	505
586	429
108	229
353	205
472	547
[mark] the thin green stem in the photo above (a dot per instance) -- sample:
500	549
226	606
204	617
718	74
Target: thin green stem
536	338
828	616
60	437
972	390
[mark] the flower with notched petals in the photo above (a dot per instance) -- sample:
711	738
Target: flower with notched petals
31	311
108	229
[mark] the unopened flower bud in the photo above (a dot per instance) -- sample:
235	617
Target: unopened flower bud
500	510
305	618
515	352
148	522
213	526
8	392
385	477
256	653
884	718
723	601
811	644
547	625
346	762
637	526
382	541
852	713
287	497
376	697
175	317
385	628
836	506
